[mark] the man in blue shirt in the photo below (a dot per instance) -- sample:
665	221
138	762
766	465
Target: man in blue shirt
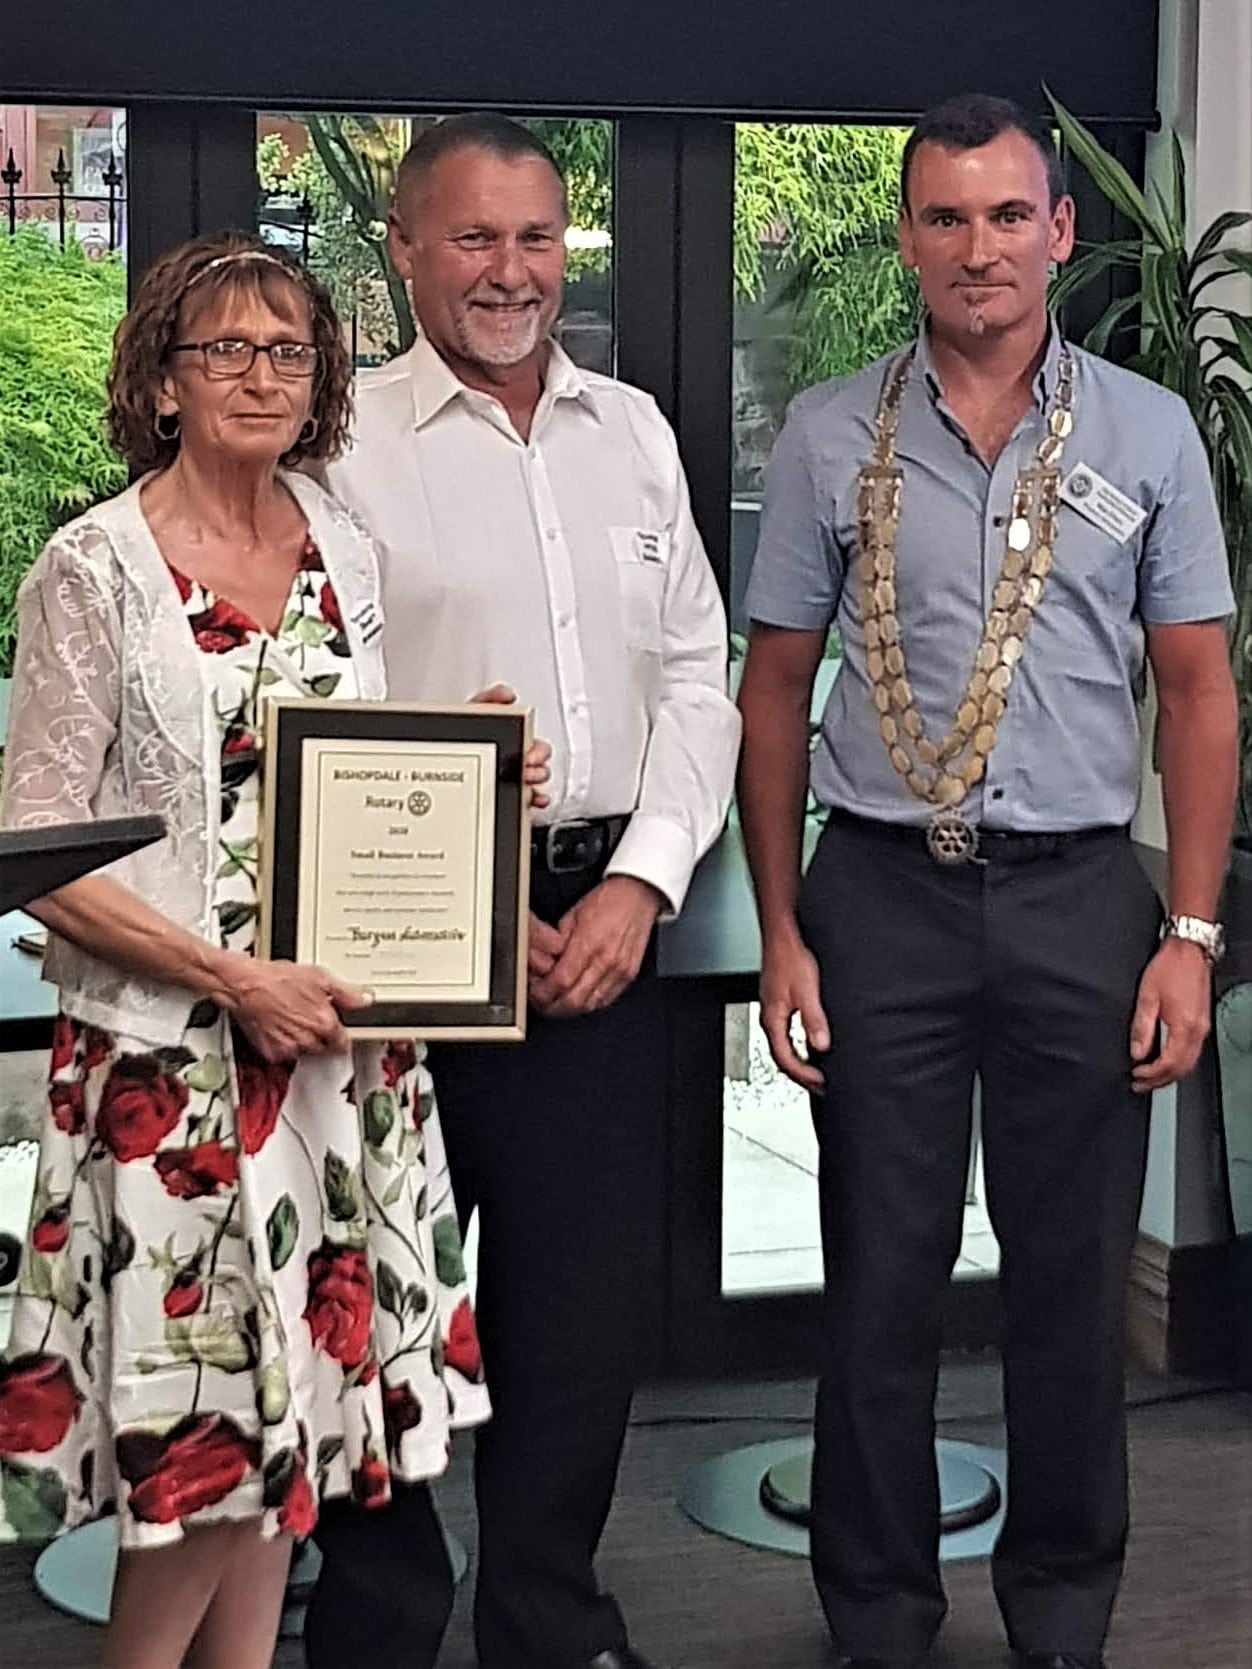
1002	526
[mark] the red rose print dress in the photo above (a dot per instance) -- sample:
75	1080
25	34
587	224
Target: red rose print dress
243	1287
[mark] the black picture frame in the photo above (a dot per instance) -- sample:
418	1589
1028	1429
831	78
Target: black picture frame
283	881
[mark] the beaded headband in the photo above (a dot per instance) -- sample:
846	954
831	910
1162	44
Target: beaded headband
244	255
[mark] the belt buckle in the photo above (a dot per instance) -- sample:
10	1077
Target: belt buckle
554	861
952	839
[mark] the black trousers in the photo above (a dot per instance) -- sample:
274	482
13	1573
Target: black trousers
560	1145
1024	974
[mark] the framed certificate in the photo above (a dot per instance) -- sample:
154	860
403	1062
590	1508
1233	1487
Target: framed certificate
395	852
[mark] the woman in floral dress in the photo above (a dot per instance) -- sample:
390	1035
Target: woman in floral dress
242	1292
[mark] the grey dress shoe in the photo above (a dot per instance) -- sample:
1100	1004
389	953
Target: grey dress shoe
623	1659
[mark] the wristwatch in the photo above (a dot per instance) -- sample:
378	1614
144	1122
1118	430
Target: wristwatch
1209	935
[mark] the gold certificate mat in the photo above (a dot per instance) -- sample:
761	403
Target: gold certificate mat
395	852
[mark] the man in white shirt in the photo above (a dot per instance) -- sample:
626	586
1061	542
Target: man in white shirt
535	529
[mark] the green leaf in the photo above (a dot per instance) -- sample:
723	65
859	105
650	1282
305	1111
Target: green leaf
390	1290
343	1188
1083	269
394	1189
416	1300
215	1340
1109	176
68	1292
1207	245
174	1058
1097	338
208	1074
449	1258
419	1211
38	1273
205	1013
309	631
34	1500
234	915
328	1450
281	1230
118	1253
1178	206
379	1116
273	1396
325	684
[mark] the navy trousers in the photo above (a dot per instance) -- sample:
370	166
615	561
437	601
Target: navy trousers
1023	973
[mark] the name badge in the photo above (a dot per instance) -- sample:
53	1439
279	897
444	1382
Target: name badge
641	544
1100	502
367	618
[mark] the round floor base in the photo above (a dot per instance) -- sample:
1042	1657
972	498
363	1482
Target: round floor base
728	1495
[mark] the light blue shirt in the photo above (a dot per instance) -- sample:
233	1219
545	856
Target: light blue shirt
1067	752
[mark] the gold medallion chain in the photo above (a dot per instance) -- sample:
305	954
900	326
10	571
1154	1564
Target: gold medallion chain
943	772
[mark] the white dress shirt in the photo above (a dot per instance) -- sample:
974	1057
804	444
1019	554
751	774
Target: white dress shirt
568	566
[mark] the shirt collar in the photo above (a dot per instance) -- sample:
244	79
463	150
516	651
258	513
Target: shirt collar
434	382
1045	381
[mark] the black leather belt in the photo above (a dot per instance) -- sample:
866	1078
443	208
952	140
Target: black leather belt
994	845
571	848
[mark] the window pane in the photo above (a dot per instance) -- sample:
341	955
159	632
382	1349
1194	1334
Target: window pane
325	188
819	293
63	283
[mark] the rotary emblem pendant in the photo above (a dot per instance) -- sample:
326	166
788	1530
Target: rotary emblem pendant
951	838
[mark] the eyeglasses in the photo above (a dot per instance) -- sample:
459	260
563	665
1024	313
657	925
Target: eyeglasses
233	356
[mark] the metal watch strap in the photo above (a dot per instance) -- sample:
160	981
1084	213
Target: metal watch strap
1209	935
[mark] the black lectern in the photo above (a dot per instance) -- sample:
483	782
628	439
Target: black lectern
36	861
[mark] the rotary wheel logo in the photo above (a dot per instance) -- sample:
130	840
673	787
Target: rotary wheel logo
1080	485
419	802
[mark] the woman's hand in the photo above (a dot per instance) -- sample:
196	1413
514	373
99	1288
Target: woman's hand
536	767
290	1009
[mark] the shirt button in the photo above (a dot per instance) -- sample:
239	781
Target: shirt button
564	620
997	793
551	532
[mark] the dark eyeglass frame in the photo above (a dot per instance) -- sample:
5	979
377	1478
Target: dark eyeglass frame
290	373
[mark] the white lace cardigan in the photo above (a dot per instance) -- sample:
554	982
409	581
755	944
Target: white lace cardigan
110	715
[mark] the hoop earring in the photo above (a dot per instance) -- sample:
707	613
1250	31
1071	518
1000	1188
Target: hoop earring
167	425
308	432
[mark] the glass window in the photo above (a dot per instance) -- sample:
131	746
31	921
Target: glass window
325	187
819	293
63	283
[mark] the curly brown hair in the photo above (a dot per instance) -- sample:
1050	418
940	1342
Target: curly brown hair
142	341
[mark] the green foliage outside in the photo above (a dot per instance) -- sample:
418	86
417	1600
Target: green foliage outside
347	175
56	333
814	204
816	201
827	198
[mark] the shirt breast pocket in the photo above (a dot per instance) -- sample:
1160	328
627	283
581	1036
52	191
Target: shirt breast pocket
641	558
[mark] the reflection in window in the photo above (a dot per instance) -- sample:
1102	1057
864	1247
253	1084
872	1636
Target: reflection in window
326	181
63	283
771	1234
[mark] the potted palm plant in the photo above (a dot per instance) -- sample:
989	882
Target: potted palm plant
1181	335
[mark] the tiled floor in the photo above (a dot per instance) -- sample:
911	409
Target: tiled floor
770	1240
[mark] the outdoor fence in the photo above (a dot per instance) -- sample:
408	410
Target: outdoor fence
102	208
